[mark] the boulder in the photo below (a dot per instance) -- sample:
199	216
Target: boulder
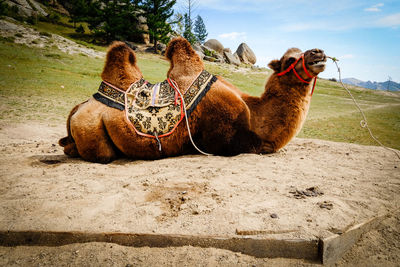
246	55
231	59
228	50
197	47
160	48
215	45
201	55
27	9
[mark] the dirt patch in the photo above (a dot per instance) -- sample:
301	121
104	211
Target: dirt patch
246	195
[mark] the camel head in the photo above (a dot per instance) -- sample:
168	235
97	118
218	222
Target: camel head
314	63
121	68
183	59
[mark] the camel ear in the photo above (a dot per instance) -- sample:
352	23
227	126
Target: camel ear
275	65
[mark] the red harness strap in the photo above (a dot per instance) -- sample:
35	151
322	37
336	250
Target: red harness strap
292	67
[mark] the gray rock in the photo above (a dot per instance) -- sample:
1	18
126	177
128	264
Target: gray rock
201	55
197	47
215	45
208	58
228	50
160	48
199	50
246	55
231	59
25	9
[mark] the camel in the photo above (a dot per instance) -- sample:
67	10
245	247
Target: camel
220	124
225	122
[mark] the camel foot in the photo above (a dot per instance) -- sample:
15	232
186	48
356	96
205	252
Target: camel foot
267	148
71	150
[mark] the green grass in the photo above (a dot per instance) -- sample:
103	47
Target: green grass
44	84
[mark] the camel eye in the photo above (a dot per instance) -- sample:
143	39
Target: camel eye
289	62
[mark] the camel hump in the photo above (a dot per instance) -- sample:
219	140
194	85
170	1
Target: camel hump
120	68
179	45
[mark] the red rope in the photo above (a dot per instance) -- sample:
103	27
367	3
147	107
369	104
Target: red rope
292	67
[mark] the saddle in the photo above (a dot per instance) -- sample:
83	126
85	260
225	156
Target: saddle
155	110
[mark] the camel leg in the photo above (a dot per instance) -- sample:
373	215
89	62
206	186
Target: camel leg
93	144
91	138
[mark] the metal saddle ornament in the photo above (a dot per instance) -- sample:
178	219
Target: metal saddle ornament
155	110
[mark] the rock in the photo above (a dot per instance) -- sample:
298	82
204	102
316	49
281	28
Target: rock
231	59
208	58
131	45
201	55
199	50
246	55
142	27
235	55
215	45
160	48
228	50
26	8
197	47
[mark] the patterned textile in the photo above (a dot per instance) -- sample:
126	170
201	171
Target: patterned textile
155	110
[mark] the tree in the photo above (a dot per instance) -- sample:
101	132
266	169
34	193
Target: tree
113	19
177	24
78	10
157	12
188	33
200	30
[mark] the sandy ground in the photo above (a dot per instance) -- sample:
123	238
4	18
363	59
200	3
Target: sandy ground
259	196
380	247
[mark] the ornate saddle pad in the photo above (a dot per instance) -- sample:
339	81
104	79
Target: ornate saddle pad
155	110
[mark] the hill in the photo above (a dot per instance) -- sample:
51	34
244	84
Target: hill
391	85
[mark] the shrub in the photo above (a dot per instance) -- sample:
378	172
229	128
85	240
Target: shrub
45	34
80	29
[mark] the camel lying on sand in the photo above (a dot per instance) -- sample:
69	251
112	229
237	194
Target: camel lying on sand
225	121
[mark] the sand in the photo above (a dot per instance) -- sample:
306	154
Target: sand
312	189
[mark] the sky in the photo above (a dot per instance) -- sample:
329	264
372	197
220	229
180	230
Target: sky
363	35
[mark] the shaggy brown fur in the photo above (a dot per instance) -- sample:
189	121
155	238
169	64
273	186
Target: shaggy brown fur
226	121
278	115
219	125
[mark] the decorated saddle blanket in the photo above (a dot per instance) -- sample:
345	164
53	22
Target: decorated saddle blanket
155	110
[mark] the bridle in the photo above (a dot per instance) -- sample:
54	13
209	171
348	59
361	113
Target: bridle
292	67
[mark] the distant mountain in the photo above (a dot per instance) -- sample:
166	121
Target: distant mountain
393	86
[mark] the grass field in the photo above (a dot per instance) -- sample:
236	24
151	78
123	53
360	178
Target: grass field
44	84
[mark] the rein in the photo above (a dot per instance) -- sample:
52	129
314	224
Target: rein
292	67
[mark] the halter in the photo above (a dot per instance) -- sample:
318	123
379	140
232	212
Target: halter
292	67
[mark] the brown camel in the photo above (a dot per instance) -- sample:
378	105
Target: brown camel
220	124
278	115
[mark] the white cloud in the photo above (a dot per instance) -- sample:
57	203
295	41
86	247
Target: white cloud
233	36
374	8
390	21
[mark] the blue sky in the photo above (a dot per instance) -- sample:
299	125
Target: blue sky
363	35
